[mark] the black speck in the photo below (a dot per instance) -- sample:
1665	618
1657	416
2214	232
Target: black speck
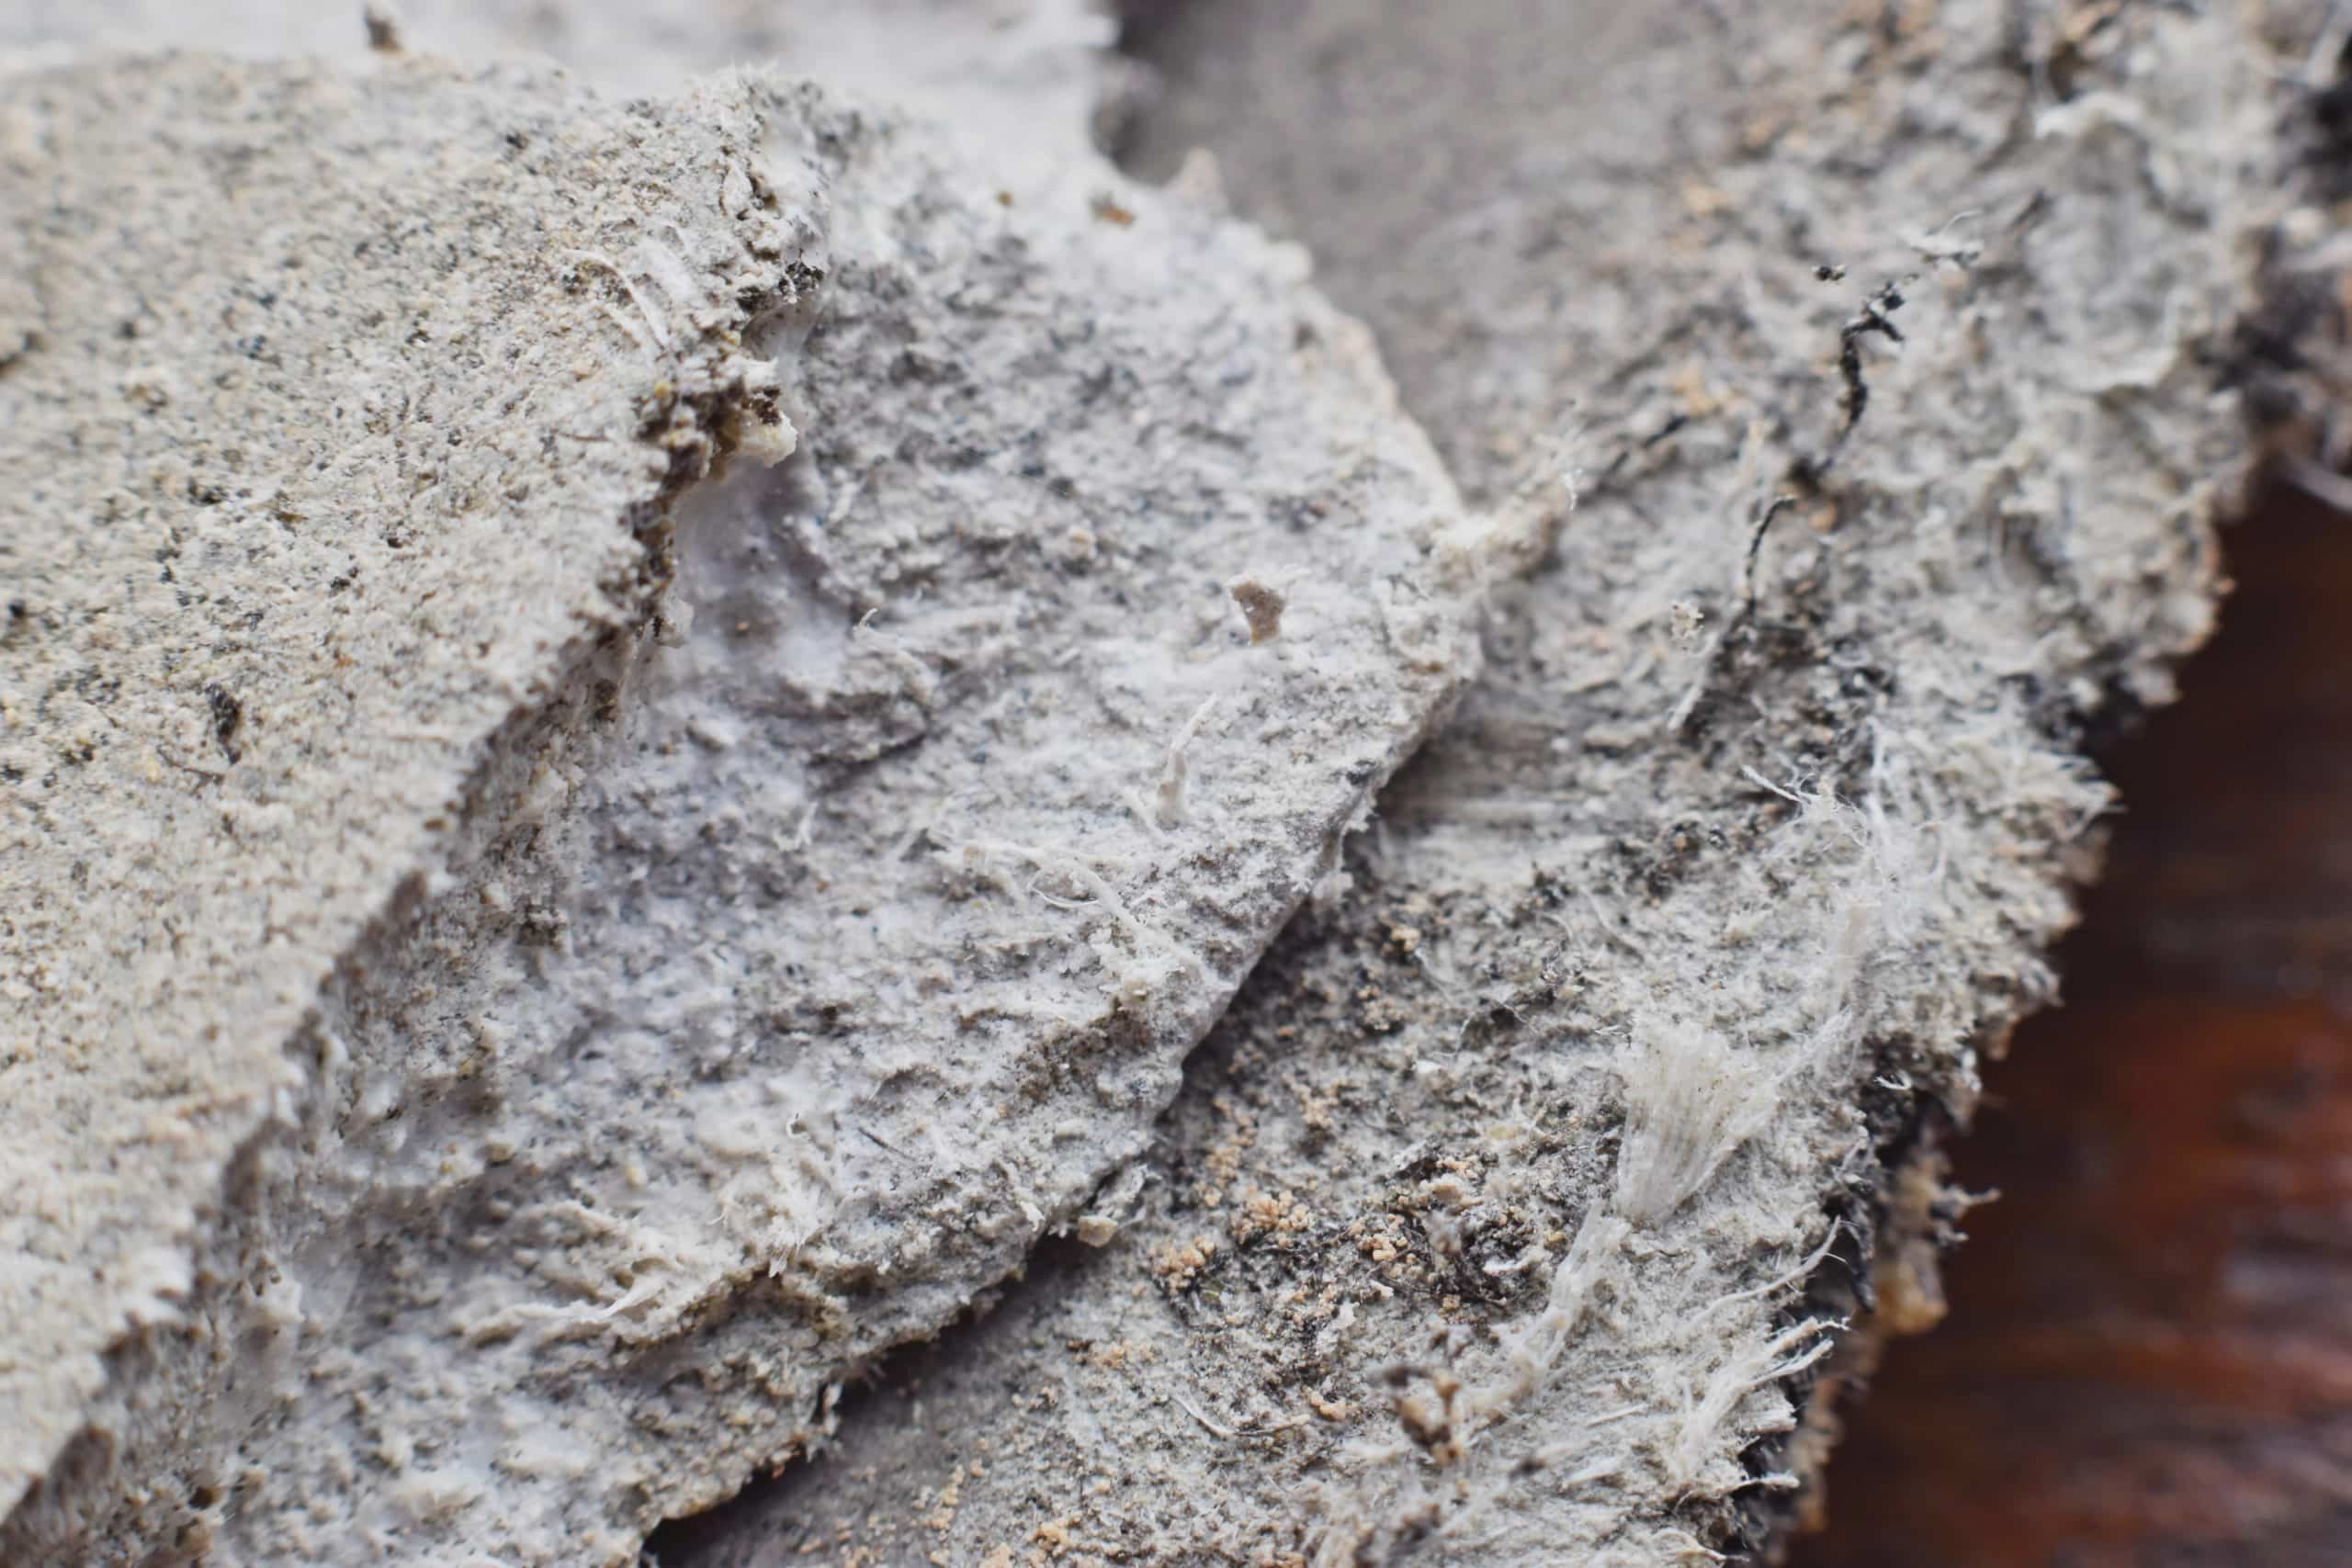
228	718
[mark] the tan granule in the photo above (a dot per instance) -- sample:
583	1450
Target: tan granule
1329	1409
1179	1263
1266	1212
1113	1356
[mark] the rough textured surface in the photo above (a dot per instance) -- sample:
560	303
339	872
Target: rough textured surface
1509	1214
265	513
1009	77
2145	1357
613	948
534	965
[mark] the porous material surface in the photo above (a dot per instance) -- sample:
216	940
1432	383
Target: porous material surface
1011	77
637	737
1510	1215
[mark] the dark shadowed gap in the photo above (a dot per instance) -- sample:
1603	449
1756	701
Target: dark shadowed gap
2149	1356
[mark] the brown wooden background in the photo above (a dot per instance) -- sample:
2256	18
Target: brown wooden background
2149	1355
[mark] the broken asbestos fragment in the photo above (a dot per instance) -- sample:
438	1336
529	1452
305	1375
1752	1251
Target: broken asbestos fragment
1510	1214
588	838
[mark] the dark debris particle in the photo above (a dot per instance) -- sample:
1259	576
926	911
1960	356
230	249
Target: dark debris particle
1667	431
228	718
383	26
1764	521
1873	318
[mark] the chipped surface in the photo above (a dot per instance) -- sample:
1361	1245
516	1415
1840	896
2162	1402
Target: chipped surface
1509	1214
562	961
750	922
